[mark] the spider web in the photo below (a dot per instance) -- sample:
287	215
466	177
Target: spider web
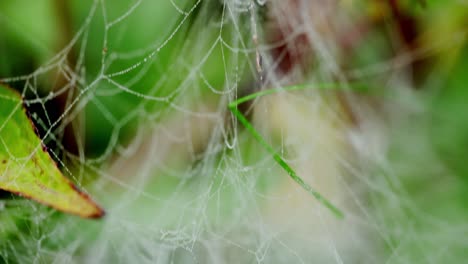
133	107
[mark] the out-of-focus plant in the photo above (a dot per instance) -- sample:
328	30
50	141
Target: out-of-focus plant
97	76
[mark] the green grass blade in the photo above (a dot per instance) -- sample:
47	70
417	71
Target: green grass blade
233	108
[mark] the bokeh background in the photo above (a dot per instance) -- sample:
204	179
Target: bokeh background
136	93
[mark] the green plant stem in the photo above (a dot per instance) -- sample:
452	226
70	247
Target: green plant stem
233	108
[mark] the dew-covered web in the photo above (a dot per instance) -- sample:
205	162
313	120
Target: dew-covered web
133	106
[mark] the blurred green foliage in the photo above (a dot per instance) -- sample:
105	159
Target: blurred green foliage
426	170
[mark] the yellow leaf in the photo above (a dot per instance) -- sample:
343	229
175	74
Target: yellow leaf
28	170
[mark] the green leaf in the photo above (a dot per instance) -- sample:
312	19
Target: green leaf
26	169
